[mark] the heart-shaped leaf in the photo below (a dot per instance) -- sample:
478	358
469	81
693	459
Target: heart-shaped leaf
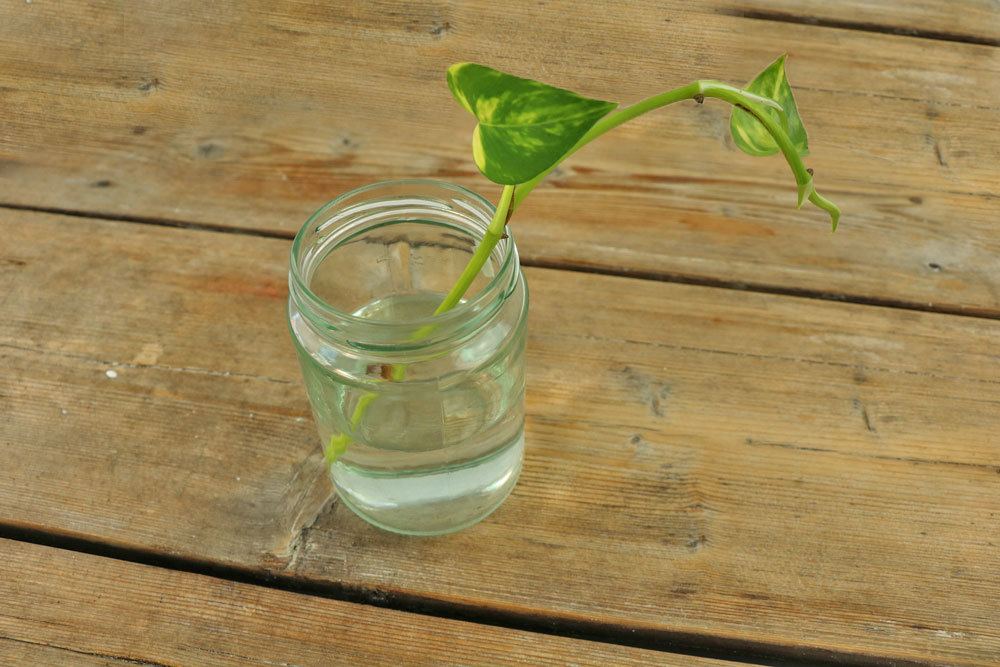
748	133
525	126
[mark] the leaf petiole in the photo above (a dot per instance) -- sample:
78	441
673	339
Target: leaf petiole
493	234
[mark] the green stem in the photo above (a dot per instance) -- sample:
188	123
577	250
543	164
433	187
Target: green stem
699	90
492	236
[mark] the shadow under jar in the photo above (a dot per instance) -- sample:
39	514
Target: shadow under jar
421	416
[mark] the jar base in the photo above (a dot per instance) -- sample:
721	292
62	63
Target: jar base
435	503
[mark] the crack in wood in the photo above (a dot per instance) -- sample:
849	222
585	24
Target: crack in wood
858	405
94	654
753	442
300	537
762	288
134	366
902	98
151	220
777	357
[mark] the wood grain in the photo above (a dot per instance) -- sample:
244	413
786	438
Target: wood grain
794	476
252	115
114	612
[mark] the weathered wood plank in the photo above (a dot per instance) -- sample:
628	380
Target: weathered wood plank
974	21
253	115
172	441
115	612
767	470
24	652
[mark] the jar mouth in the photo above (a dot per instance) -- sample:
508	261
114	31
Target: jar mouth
447	198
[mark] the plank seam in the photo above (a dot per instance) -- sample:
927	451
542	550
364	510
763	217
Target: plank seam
860	26
150	220
621	272
763	288
667	641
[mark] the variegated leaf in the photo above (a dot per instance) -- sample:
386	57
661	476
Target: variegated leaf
748	133
525	126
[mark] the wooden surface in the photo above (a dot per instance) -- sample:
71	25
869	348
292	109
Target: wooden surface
195	112
109	612
714	463
721	468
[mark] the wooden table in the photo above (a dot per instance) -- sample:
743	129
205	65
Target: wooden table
749	440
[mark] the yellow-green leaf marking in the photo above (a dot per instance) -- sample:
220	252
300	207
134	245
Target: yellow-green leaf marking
748	133
525	126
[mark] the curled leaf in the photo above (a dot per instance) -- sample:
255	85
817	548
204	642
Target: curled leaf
748	133
828	206
525	126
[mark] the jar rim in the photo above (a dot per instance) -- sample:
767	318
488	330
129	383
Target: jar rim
329	312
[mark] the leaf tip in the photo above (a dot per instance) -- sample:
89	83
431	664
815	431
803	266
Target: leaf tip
828	206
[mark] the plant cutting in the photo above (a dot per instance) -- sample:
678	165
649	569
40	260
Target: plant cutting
527	128
417	387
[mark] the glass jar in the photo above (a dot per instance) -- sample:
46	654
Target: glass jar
421	416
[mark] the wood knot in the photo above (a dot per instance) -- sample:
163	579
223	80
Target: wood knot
210	151
149	85
440	29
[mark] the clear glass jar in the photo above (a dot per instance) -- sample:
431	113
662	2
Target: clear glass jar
421	416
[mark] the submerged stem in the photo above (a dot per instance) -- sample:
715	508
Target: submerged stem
494	232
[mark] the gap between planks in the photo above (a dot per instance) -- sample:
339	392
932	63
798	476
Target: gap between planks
681	643
859	26
622	272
